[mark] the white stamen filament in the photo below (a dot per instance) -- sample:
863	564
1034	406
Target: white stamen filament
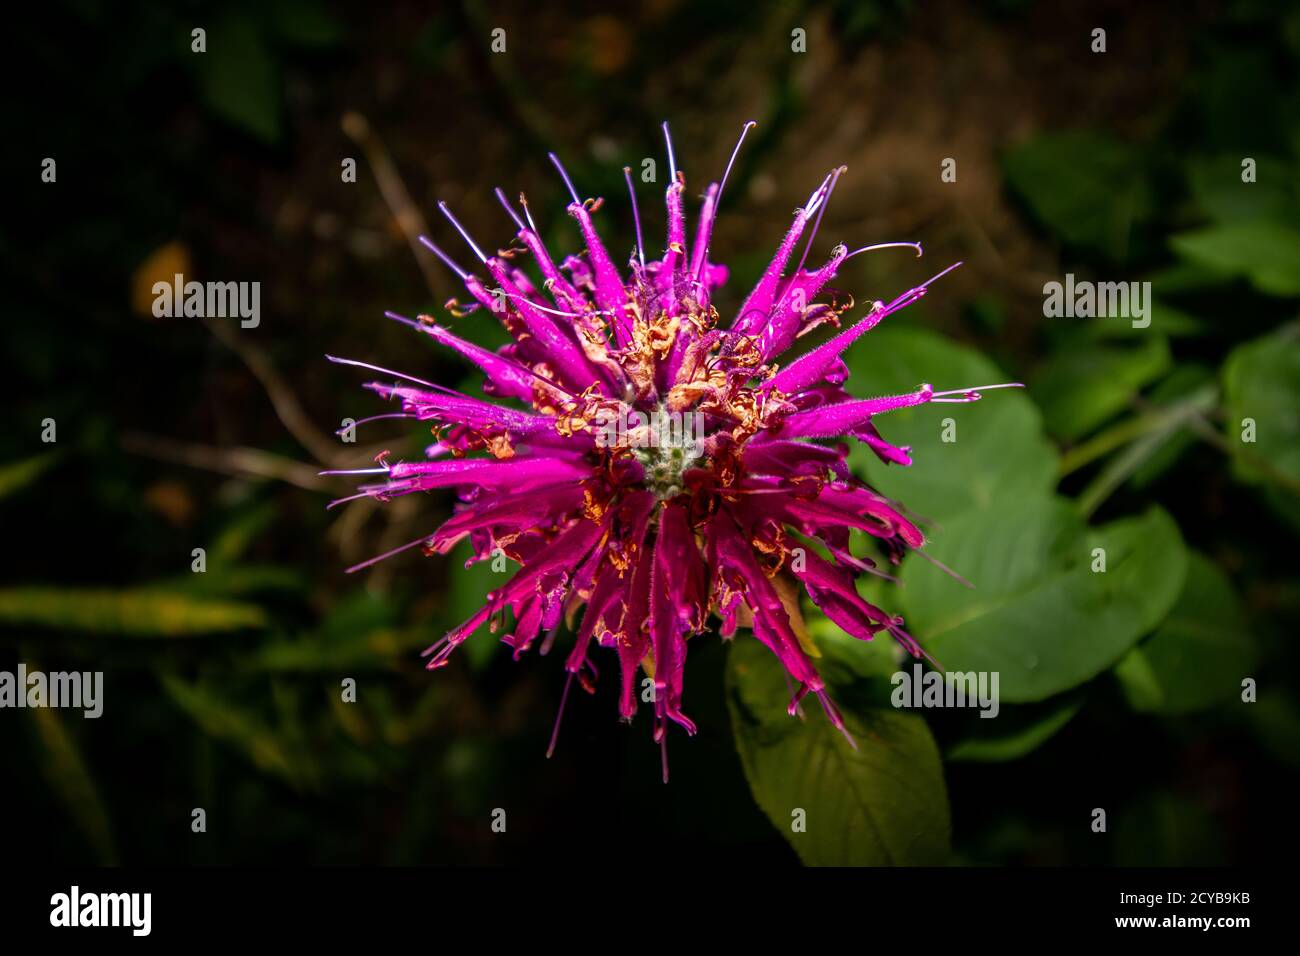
461	229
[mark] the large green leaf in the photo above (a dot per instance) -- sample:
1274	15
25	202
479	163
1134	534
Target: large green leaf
1016	731
1161	319
1084	187
16	475
884	803
1039	614
999	450
69	776
1080	388
139	612
239	533
1199	655
236	581
1265	252
1217	187
1262	383
223	719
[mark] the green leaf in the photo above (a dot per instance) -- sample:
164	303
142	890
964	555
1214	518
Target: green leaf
1198	656
224	720
69	776
1016	731
239	534
1039	614
1265	252
884	803
1086	188
1186	279
1079	389
16	475
359	633
1217	188
237	581
138	613
240	80
1161	318
1262	382
1146	565
1191	386
1156	446
999	452
315	653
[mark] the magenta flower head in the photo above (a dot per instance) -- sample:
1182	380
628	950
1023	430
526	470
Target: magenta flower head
652	463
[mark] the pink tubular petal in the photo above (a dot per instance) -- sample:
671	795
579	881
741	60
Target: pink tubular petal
515	474
608	287
513	513
561	350
843	417
704	231
558	560
554	278
832	589
671	617
753	312
793	458
675	252
771	623
787	319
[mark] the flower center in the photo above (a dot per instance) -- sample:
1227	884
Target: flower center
666	446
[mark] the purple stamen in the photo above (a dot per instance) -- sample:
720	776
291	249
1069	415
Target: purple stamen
372	418
342	501
833	714
887	245
354	471
376	368
672	161
542	308
976	389
744	131
565	176
944	568
388	554
821	211
461	229
559	715
636	215
446	259
663	727
818	197
505	204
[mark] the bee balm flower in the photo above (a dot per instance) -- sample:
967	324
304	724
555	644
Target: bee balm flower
650	463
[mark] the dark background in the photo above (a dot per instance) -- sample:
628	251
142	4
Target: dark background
175	433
